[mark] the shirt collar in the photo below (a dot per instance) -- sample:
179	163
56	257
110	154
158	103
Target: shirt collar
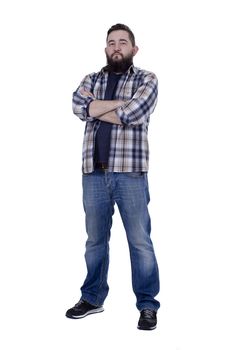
131	69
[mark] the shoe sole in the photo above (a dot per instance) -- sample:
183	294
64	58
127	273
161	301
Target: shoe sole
95	311
146	329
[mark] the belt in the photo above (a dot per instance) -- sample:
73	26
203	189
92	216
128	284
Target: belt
102	166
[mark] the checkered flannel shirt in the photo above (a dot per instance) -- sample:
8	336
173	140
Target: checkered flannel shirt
129	150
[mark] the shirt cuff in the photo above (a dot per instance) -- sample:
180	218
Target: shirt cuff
87	109
89	118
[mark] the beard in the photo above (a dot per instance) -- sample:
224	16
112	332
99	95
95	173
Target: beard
119	66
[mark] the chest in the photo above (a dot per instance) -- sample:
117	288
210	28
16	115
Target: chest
124	90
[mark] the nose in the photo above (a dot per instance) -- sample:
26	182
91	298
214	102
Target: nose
117	47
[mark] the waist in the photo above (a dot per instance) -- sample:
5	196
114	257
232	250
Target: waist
101	166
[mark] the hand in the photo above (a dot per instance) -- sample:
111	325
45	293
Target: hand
86	93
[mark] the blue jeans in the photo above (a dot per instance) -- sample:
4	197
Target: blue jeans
101	190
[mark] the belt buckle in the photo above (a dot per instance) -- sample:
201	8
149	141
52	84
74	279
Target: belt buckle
104	166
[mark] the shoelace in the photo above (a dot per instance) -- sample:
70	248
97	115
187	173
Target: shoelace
79	303
147	313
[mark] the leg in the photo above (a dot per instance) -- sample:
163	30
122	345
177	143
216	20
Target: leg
99	209
132	198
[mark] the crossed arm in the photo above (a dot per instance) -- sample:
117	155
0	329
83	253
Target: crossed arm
104	110
133	111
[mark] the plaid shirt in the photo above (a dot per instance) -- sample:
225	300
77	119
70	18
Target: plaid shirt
129	151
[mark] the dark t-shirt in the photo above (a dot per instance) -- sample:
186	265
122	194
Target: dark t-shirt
103	136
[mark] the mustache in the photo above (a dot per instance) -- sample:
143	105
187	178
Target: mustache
117	53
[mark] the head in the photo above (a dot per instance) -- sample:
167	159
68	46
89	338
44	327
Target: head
120	48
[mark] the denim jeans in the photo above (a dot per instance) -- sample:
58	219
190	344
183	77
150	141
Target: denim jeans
101	190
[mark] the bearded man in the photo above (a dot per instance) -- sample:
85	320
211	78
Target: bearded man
116	104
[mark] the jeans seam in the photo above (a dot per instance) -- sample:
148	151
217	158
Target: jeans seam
103	267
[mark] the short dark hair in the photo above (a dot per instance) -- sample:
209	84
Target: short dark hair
120	26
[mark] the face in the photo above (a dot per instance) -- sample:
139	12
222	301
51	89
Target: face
119	50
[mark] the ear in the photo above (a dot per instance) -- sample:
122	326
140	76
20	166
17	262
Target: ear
135	50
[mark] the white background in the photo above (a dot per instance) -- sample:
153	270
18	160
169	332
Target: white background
46	49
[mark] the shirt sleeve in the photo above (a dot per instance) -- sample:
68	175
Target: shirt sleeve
80	103
138	109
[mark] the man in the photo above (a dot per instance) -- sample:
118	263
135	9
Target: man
116	104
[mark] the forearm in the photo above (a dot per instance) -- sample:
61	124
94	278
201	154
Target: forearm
110	117
98	108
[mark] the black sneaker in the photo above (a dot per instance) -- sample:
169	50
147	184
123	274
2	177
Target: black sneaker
147	320
82	309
